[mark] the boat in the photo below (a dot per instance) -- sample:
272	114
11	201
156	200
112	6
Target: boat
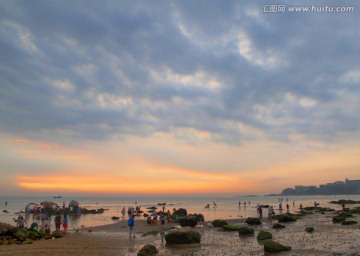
57	196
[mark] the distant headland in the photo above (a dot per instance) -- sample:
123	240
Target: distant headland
347	187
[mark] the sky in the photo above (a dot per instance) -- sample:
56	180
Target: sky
177	97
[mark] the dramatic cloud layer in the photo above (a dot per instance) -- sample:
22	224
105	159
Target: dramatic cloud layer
198	75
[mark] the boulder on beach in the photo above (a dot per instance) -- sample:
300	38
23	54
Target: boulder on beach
180	212
188	221
245	231
285	218
183	237
271	246
147	250
219	223
231	228
278	226
348	222
338	219
49	206
263	235
73	204
115	218
344	201
309	229
253	221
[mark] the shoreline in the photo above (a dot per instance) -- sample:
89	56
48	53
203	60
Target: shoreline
113	239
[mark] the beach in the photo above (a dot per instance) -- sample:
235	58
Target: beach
328	239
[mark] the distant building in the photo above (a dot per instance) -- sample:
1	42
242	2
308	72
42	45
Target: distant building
335	188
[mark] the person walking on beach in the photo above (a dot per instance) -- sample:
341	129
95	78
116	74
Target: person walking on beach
131	224
260	212
123	212
270	212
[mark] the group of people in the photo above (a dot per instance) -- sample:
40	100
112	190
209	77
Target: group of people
271	212
40	214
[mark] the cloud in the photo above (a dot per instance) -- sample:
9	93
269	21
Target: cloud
91	71
199	74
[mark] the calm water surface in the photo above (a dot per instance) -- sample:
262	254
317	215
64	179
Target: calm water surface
227	207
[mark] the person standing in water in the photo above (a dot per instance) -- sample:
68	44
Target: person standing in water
131	224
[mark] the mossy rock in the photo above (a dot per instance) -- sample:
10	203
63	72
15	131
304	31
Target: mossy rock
253	221
183	237
355	210
219	223
27	241
348	222
271	246
263	235
285	218
278	226
245	231
231	228
338	219
147	250
309	229
345	214
188	221
22	234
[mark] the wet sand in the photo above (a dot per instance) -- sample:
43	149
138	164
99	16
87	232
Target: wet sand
109	240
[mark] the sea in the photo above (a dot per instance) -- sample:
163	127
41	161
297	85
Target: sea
227	207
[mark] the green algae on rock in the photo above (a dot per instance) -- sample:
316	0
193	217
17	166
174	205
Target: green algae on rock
263	235
271	246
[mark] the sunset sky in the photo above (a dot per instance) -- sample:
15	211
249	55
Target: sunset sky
176	97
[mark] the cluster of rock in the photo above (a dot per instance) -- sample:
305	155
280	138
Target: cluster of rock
52	208
14	235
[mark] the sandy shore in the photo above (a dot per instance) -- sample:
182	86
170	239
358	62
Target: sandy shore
328	239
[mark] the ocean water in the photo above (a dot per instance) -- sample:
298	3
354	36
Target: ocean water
227	207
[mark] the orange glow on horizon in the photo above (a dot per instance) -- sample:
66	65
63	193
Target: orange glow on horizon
128	186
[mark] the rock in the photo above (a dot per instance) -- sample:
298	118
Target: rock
183	237
219	223
115	218
263	235
188	221
148	249
27	241
253	221
285	218
231	228
180	212
348	222
48	206
74	204
243	231
22	234
343	201
278	226
309	229
271	246
337	219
